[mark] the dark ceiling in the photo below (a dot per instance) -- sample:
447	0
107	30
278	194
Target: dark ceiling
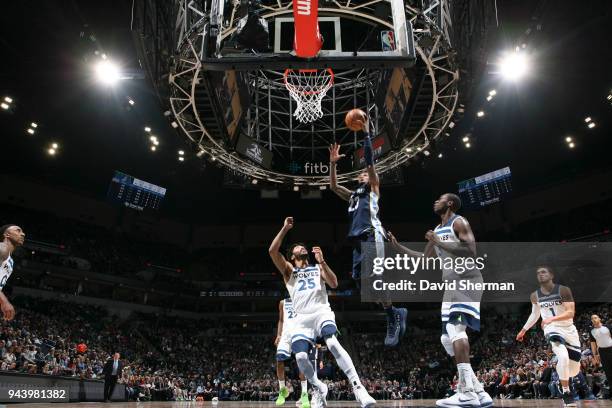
47	52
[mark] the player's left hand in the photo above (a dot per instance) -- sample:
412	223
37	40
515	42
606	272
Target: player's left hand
547	321
318	254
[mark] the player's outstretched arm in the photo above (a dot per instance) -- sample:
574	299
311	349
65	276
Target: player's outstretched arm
368	155
326	272
279	260
532	319
429	248
334	155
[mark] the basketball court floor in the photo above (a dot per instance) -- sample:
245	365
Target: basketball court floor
332	404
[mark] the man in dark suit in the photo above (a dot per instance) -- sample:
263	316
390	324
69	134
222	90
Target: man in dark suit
112	371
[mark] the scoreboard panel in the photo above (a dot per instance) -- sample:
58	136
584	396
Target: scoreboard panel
134	193
486	189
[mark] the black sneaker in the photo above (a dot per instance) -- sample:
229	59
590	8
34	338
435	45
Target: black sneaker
568	400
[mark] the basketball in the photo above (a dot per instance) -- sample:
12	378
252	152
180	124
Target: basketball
353	119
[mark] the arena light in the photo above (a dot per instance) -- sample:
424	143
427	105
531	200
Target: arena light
609	97
153	138
156	142
426	153
147	129
8	99
181	152
254	181
153	148
322	188
409	150
107	72
174	124
568	139
440	156
30	131
513	65
571	145
591	125
468	145
34	125
200	153
51	152
4	105
55	146
489	98
296	188
181	158
492	92
480	114
587	119
131	101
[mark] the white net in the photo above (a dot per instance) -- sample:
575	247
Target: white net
308	88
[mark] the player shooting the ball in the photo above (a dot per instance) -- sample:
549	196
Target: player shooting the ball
365	225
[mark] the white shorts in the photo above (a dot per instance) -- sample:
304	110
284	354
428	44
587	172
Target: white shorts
283	349
567	335
465	312
308	326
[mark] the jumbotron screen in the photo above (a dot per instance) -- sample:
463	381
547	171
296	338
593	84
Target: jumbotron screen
135	193
486	189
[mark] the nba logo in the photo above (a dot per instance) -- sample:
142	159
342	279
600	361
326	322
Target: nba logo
387	39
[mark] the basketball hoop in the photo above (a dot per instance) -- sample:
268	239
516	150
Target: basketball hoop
308	87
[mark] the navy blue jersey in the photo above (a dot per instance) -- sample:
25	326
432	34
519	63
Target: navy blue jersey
363	212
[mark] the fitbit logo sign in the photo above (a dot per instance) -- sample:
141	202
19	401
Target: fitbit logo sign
316	168
303	7
309	168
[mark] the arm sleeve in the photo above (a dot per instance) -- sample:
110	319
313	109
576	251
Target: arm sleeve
533	317
367	150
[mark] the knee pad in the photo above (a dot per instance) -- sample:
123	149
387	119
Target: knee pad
300	346
447	344
456	332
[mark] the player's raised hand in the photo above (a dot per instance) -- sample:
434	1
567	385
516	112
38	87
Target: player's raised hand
288	223
318	254
334	153
521	335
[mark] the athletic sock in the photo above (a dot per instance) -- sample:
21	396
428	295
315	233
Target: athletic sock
343	360
304	386
465	377
477	385
281	384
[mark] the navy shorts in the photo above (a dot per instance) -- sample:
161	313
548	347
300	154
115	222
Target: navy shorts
372	236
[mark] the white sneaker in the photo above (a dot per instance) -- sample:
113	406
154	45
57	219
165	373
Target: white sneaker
323	394
485	399
460	399
362	396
